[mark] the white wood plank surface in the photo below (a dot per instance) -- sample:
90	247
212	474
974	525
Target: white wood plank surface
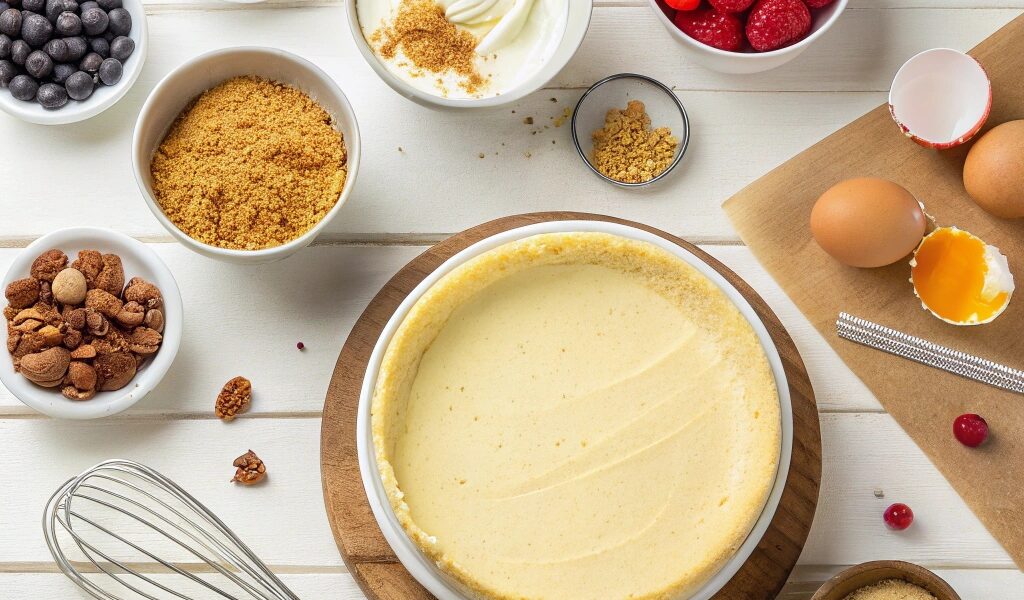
247	320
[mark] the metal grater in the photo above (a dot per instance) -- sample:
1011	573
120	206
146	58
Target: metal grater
928	353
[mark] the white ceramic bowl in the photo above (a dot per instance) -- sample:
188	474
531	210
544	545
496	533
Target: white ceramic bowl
576	25
424	569
139	261
751	62
103	98
184	84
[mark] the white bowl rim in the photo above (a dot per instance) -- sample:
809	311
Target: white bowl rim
576	25
154	370
75	111
352	147
423	569
840	6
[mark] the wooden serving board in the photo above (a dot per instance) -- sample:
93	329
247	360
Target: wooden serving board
368	555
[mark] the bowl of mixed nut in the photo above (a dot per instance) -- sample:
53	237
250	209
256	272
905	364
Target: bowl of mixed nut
94	320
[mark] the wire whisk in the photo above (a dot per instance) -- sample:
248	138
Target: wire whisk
123	531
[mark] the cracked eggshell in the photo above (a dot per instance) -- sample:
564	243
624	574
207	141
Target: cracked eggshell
940	98
960	279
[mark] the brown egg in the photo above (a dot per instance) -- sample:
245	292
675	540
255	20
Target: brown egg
994	171
867	222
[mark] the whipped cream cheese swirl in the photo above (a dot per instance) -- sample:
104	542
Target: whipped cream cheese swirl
506	19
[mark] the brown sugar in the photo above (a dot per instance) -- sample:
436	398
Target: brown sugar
626	149
431	42
891	589
250	164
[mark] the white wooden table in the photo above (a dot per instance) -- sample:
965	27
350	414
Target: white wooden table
248	320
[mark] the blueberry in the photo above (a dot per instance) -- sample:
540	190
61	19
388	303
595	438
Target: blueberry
87	5
91	63
121	48
4	6
5	45
79	85
120	21
39	64
68	23
57	49
55	7
7	72
36	30
10	22
94	21
61	72
52	95
109	5
99	46
24	88
77	47
20	51
36	6
110	71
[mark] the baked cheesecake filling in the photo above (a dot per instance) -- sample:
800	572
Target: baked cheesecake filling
577	416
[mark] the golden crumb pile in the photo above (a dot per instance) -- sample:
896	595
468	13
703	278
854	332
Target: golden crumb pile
891	589
628	150
250	164
431	42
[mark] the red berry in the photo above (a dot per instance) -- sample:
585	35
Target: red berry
898	516
683	4
970	430
300	346
818	3
731	6
774	24
716	29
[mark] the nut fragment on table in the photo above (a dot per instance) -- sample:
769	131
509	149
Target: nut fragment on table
233	398
249	469
79	328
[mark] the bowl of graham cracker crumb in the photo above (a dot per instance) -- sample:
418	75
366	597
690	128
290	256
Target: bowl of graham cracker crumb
246	154
886	580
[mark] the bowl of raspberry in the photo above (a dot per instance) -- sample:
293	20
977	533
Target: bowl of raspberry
746	36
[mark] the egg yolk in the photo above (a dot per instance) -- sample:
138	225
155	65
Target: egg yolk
949	276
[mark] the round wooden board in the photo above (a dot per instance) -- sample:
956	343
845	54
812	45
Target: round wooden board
363	547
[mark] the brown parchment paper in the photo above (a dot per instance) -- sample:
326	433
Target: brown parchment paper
772	216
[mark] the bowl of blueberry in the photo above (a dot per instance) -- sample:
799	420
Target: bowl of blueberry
63	61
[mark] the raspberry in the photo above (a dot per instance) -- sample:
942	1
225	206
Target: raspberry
970	430
716	29
898	516
774	24
734	6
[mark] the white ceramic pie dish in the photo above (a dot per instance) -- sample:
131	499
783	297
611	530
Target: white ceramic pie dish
139	261
422	568
576	25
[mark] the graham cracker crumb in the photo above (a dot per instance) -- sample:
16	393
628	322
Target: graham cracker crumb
891	589
250	164
628	150
421	31
528	121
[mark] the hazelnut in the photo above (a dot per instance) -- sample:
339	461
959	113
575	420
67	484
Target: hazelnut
103	302
233	398
132	314
69	287
90	263
114	370
96	323
82	376
23	292
76	318
154	319
46	368
72	339
47	265
249	469
111	277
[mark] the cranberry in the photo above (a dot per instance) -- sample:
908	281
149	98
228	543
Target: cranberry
898	516
300	346
970	430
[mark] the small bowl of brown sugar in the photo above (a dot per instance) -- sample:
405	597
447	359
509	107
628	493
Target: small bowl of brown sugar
246	154
886	580
630	130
